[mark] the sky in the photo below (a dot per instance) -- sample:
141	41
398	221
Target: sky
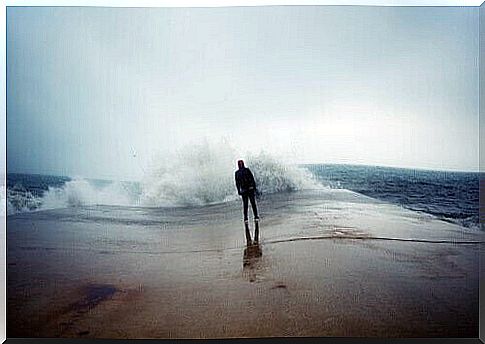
100	92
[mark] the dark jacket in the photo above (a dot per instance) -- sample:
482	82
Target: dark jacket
245	181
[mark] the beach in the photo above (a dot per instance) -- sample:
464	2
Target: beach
329	263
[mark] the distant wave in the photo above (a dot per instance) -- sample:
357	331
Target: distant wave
19	201
450	196
73	193
196	175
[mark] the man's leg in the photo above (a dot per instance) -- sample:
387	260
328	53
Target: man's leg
253	205
245	207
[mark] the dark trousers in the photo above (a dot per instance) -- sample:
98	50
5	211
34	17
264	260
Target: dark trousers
249	196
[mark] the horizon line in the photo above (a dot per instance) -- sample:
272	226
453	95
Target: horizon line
304	163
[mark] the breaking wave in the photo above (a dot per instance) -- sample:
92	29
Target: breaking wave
77	192
196	175
204	174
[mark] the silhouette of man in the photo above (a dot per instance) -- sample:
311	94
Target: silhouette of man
246	188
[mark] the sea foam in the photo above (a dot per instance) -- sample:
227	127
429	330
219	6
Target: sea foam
198	174
204	174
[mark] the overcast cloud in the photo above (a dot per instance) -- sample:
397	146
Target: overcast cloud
97	92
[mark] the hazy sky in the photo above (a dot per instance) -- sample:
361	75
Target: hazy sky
88	87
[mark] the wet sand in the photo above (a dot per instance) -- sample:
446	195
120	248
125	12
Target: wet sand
328	263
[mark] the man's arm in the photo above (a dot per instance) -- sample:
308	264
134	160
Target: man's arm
238	184
253	182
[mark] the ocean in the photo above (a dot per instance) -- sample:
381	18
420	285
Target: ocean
449	196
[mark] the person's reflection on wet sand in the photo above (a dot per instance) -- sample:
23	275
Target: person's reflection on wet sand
252	253
251	259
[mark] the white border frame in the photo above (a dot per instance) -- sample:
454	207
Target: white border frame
151	3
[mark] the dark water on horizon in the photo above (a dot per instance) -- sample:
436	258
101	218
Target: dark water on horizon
451	196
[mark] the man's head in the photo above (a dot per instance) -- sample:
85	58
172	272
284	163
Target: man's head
240	164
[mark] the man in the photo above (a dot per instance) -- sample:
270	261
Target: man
246	188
